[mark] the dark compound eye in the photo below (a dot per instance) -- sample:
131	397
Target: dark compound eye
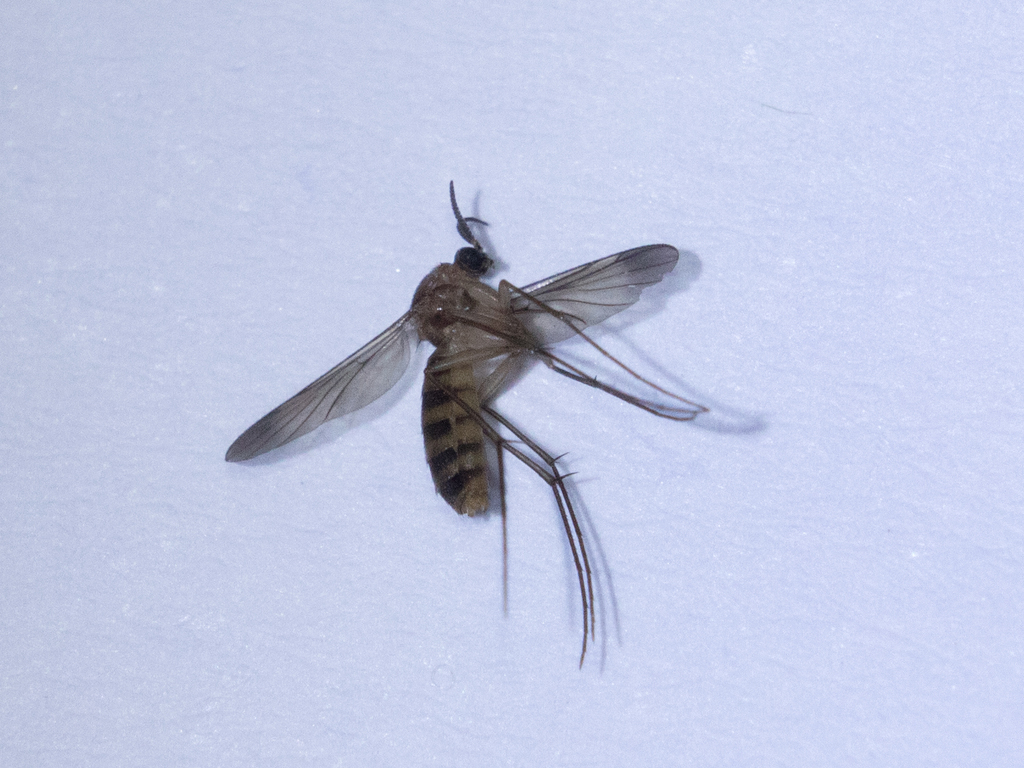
473	260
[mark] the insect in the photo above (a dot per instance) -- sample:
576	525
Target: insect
482	336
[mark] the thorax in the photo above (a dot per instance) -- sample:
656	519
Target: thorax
454	309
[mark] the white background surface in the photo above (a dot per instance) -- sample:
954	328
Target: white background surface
202	209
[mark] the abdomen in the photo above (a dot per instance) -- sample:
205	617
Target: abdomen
453	439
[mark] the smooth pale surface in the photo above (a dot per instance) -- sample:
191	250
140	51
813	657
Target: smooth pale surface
206	206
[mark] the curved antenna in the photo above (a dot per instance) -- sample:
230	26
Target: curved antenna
463	227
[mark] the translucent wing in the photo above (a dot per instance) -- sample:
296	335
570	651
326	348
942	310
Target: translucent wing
355	382
590	293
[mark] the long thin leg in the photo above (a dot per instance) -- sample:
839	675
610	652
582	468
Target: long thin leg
575	536
691	411
547	470
504	531
688	412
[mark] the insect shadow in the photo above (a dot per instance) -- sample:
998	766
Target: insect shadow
483	337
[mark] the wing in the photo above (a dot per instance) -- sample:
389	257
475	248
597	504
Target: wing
592	292
356	381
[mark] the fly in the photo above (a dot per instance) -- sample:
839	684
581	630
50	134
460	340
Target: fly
481	336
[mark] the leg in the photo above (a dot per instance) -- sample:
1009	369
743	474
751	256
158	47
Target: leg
687	412
573	531
504	531
545	467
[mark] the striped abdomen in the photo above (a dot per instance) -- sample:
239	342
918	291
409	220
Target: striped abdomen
453	439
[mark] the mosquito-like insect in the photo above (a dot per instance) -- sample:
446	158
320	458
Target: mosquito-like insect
481	336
